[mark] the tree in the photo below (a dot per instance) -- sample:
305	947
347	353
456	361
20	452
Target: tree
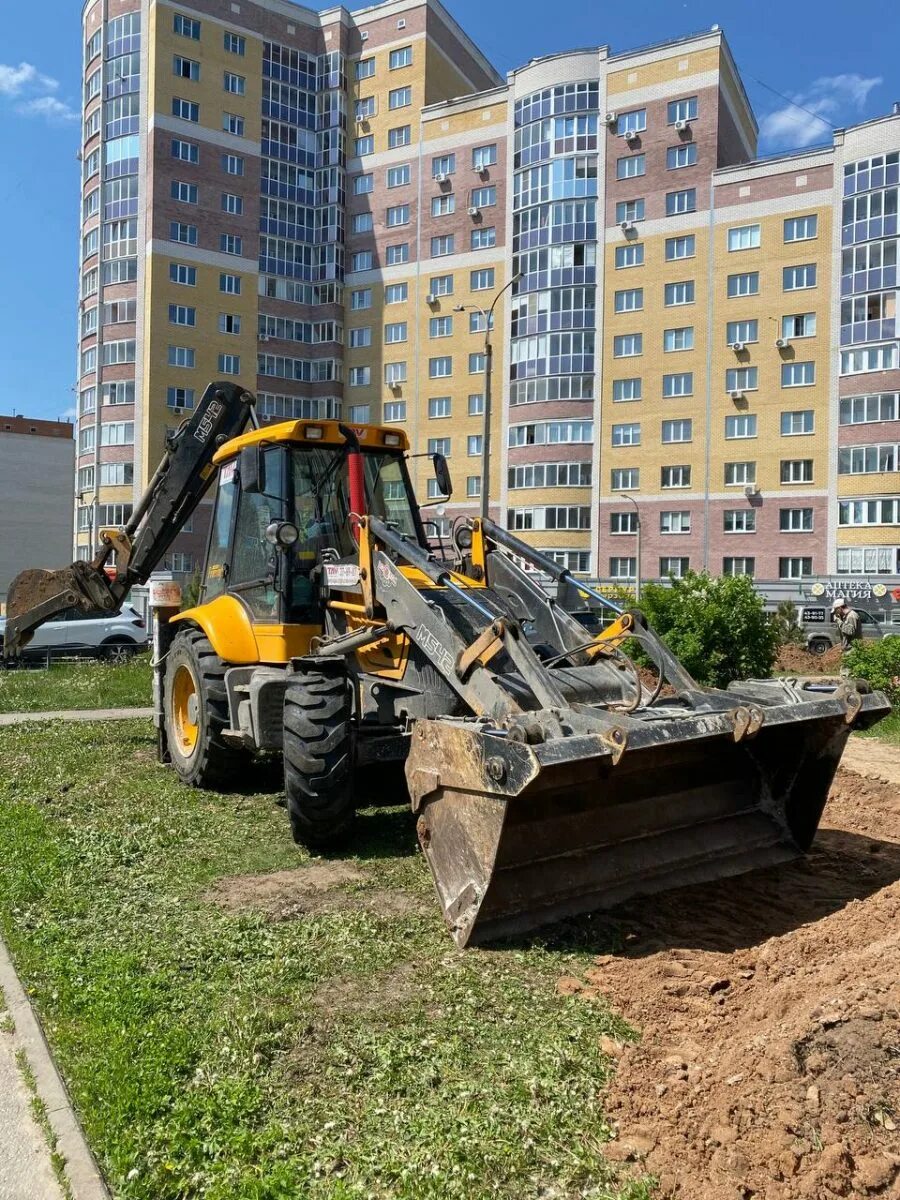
717	627
878	662
192	591
785	621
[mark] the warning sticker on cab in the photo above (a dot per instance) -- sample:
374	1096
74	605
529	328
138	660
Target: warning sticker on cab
341	575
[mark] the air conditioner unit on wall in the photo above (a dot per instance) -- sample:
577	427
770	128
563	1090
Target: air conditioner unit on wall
736	395
630	135
782	343
473	211
737	347
751	489
681	126
626	227
611	118
431	298
440	177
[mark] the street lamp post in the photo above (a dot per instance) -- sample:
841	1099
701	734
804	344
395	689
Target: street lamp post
488	367
637	560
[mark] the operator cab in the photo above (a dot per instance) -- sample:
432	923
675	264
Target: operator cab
283	510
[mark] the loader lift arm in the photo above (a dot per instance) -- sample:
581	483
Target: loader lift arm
177	487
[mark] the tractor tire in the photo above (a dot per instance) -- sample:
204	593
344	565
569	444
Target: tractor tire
319	758
196	712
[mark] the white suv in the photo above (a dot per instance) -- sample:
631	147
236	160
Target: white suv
115	638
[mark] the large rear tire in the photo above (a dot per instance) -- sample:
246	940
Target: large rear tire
196	713
319	758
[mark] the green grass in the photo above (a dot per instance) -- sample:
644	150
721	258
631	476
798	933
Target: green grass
87	684
223	1054
887	730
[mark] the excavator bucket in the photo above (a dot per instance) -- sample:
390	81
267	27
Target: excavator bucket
520	835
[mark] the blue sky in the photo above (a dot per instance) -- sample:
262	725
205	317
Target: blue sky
837	62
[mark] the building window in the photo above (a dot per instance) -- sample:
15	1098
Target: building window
187	27
484	197
235	44
868	460
398	214
395	410
631	167
743	425
361	260
622	568
632	122
739	520
441	245
795	520
361	223
799	326
742	379
363	184
684	155
623	522
625	479
631	255
740	474
794	568
682	110
119	392
626	389
365	145
230	284
360	377
869	512
629	300
180	314
185	110
871	358
483	239
745	284
443	206
680	430
484	157
400	58
741	332
360	337
400	97
797	470
232	204
678	339
444	164
185	151
396	176
185	68
365	68
440	368
230	364
628	345
236	84
360	299
179	397
476	405
739	566
365	108
678	384
680	247
481	280
800	421
117	433
400	135
675	522
675	477
439	445
230	243
628	434
181	356
679	293
798	374
681	202
395	331
438	407
801	229
229	323
743	237
867	410
473	444
440	327
796	278
628	211
232	164
396	293
676	568
397	254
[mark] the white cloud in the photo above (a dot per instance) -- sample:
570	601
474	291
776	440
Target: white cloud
830	101
15	80
49	107
70	414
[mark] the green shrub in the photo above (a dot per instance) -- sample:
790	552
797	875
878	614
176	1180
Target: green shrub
879	664
717	627
784	619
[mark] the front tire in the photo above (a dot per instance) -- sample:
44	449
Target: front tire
319	758
118	651
196	713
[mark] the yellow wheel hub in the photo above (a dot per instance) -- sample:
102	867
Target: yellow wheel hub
185	710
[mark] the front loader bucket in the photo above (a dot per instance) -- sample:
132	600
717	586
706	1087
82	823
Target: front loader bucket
518	836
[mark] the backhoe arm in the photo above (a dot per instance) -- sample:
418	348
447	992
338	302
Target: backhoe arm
177	487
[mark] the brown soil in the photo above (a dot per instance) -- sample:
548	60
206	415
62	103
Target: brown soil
769	1064
317	888
795	660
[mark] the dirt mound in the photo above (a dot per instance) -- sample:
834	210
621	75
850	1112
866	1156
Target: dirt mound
769	1007
796	660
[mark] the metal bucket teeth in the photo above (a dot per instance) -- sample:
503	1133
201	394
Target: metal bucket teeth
518	836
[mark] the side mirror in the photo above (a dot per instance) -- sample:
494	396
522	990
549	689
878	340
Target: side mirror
442	475
252	470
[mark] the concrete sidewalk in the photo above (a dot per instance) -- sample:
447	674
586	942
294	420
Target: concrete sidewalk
26	1172
76	714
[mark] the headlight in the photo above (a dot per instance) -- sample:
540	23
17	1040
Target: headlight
282	533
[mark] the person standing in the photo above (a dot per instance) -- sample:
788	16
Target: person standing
847	621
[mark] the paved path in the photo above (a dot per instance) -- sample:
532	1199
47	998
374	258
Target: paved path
76	714
25	1171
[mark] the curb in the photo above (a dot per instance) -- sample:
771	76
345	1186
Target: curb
76	714
80	1166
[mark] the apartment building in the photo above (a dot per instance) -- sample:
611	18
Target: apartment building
328	205
34	521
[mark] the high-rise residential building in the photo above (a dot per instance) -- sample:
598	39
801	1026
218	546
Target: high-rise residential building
327	206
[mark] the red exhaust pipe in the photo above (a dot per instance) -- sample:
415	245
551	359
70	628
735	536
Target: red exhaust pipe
356	474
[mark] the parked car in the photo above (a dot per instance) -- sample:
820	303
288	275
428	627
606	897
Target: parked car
115	638
821	633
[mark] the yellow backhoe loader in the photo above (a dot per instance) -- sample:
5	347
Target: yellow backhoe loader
547	778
